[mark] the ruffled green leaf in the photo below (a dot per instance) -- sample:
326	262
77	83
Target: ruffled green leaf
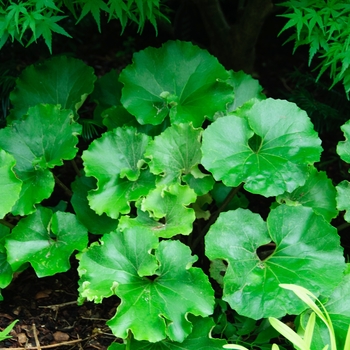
61	80
307	253
116	161
267	145
161	288
97	224
343	198
9	183
46	240
343	148
42	140
200	338
178	79
165	212
175	152
318	193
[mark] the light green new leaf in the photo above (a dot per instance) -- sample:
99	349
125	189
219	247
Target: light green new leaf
167	206
9	183
46	240
42	140
97	224
307	253
267	145
115	160
164	212
59	80
245	88
343	148
343	198
318	193
199	338
157	291
178	79
175	152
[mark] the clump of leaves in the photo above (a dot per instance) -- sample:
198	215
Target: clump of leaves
182	137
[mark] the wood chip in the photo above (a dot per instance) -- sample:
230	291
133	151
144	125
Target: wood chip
60	336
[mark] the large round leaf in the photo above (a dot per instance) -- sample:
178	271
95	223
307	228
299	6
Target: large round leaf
307	253
60	80
10	185
343	198
157	291
178	78
267	145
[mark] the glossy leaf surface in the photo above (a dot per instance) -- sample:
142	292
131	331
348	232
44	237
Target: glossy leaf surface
165	212
267	145
161	288
46	240
10	185
318	193
175	152
178	79
42	140
115	160
343	198
307	253
199	338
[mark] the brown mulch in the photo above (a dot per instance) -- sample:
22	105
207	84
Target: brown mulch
49	317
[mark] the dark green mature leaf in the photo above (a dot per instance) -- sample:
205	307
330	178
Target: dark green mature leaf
97	224
107	93
157	291
307	253
9	183
46	240
200	338
167	210
267	145
318	193
115	160
178	79
60	80
175	152
41	140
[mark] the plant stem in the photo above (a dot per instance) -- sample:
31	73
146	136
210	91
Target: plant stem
75	167
216	214
67	191
343	226
4	222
